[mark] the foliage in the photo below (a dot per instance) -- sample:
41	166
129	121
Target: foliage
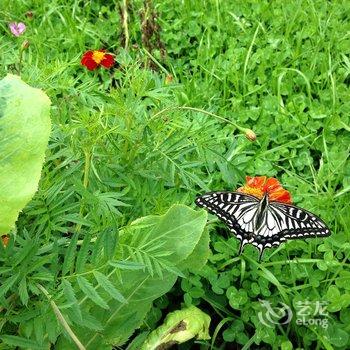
122	148
102	286
22	148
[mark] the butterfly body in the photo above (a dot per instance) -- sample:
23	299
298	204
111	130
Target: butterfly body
260	221
261	215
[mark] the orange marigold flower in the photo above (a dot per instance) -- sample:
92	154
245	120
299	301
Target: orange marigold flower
92	59
259	185
5	240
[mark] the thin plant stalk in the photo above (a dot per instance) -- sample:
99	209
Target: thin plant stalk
61	319
193	109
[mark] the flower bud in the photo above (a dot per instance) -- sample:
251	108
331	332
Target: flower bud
168	79
250	135
5	240
25	44
29	14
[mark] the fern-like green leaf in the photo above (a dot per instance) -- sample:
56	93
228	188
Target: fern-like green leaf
68	263
22	343
90	322
88	289
107	285
127	265
110	240
8	284
97	253
39	328
83	253
23	292
71	298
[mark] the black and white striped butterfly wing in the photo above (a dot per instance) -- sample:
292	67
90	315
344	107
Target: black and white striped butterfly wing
235	209
285	221
297	223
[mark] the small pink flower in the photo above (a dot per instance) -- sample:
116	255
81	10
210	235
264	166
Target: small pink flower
17	29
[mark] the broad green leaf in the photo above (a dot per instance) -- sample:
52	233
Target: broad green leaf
137	341
286	345
171	233
24	133
178	231
338	336
197	259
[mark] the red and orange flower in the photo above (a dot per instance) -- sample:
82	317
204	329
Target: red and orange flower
95	58
259	185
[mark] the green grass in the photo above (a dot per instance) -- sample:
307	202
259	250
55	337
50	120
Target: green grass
120	149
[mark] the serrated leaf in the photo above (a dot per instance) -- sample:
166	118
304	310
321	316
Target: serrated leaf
23	292
51	327
110	239
97	251
88	289
68	262
127	265
39	329
173	269
22	343
107	285
83	253
70	296
8	284
91	322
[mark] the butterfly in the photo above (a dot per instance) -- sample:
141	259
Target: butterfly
260	221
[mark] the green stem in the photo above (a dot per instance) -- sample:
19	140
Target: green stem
87	168
193	109
20	61
156	61
247	58
61	318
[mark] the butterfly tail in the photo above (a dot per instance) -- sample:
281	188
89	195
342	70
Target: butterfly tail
241	246
261	252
